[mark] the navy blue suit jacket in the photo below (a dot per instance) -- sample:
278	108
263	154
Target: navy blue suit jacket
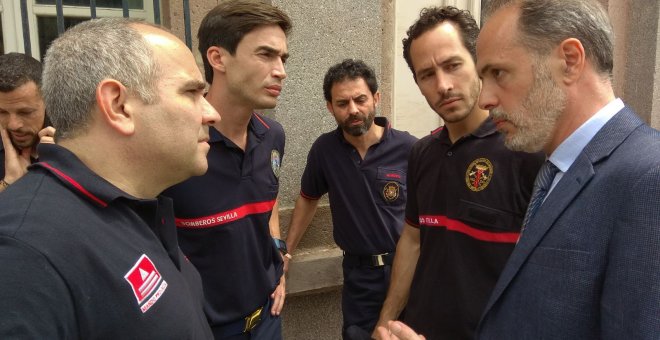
588	264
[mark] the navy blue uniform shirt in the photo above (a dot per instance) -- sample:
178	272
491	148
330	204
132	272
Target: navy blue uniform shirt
222	221
367	197
468	199
82	259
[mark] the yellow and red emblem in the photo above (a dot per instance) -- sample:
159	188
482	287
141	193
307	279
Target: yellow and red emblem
479	174
391	191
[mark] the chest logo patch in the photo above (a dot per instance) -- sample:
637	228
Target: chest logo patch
275	162
147	283
391	191
479	174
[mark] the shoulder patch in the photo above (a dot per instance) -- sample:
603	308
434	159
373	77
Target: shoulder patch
479	174
275	162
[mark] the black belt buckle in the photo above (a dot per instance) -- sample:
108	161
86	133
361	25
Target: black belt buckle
253	320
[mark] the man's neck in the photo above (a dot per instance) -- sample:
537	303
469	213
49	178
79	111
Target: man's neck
235	116
466	126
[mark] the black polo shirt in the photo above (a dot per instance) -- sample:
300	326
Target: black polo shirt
222	220
367	197
81	259
468	199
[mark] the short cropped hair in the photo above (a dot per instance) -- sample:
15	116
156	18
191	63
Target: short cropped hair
82	57
226	25
430	17
17	69
349	69
544	24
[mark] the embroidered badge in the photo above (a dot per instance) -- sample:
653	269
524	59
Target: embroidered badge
478	174
391	191
147	284
275	162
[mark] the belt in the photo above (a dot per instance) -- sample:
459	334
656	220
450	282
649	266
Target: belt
239	326
369	260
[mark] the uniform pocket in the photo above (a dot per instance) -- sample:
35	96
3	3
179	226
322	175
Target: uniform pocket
391	185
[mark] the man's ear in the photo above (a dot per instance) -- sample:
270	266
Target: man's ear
113	103
329	106
573	59
217	58
376	98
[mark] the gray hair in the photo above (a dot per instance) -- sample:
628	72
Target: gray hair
77	61
546	23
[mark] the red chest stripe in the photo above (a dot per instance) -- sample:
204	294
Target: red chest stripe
458	226
225	216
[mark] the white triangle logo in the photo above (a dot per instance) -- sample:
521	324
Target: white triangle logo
143	274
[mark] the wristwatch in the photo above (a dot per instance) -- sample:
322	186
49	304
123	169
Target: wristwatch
281	246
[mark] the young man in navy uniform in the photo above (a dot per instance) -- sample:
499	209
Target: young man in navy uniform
467	193
87	247
362	165
227	219
22	115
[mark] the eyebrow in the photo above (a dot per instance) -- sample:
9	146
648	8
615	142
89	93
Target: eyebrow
269	49
194	85
449	60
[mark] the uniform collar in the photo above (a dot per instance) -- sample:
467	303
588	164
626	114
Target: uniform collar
257	125
67	167
486	129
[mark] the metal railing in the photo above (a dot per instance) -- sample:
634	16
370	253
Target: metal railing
59	8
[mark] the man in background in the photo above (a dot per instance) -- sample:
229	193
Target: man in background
228	219
362	165
22	115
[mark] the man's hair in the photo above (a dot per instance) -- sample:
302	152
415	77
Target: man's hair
430	17
82	57
349	69
226	25
17	69
544	24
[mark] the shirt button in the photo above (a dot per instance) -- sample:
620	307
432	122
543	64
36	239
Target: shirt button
449	153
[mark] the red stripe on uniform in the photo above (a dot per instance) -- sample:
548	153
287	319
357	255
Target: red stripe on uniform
261	120
226	216
75	184
458	226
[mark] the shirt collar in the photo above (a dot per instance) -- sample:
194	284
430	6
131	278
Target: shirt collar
257	126
568	151
486	129
75	175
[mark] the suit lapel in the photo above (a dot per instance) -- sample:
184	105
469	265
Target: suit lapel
610	136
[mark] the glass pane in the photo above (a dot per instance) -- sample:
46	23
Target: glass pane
47	28
132	4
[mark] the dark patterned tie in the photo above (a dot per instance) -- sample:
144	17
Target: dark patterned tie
541	187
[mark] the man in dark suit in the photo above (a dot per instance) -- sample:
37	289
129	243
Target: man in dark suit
587	265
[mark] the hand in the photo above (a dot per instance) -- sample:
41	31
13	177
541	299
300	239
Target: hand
397	331
278	297
47	135
16	162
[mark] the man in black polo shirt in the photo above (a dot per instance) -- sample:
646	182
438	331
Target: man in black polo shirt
225	219
467	193
22	115
87	248
362	165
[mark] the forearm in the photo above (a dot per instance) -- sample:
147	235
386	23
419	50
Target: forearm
274	222
403	270
301	218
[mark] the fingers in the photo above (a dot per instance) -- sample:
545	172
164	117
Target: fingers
47	135
6	141
278	297
402	331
